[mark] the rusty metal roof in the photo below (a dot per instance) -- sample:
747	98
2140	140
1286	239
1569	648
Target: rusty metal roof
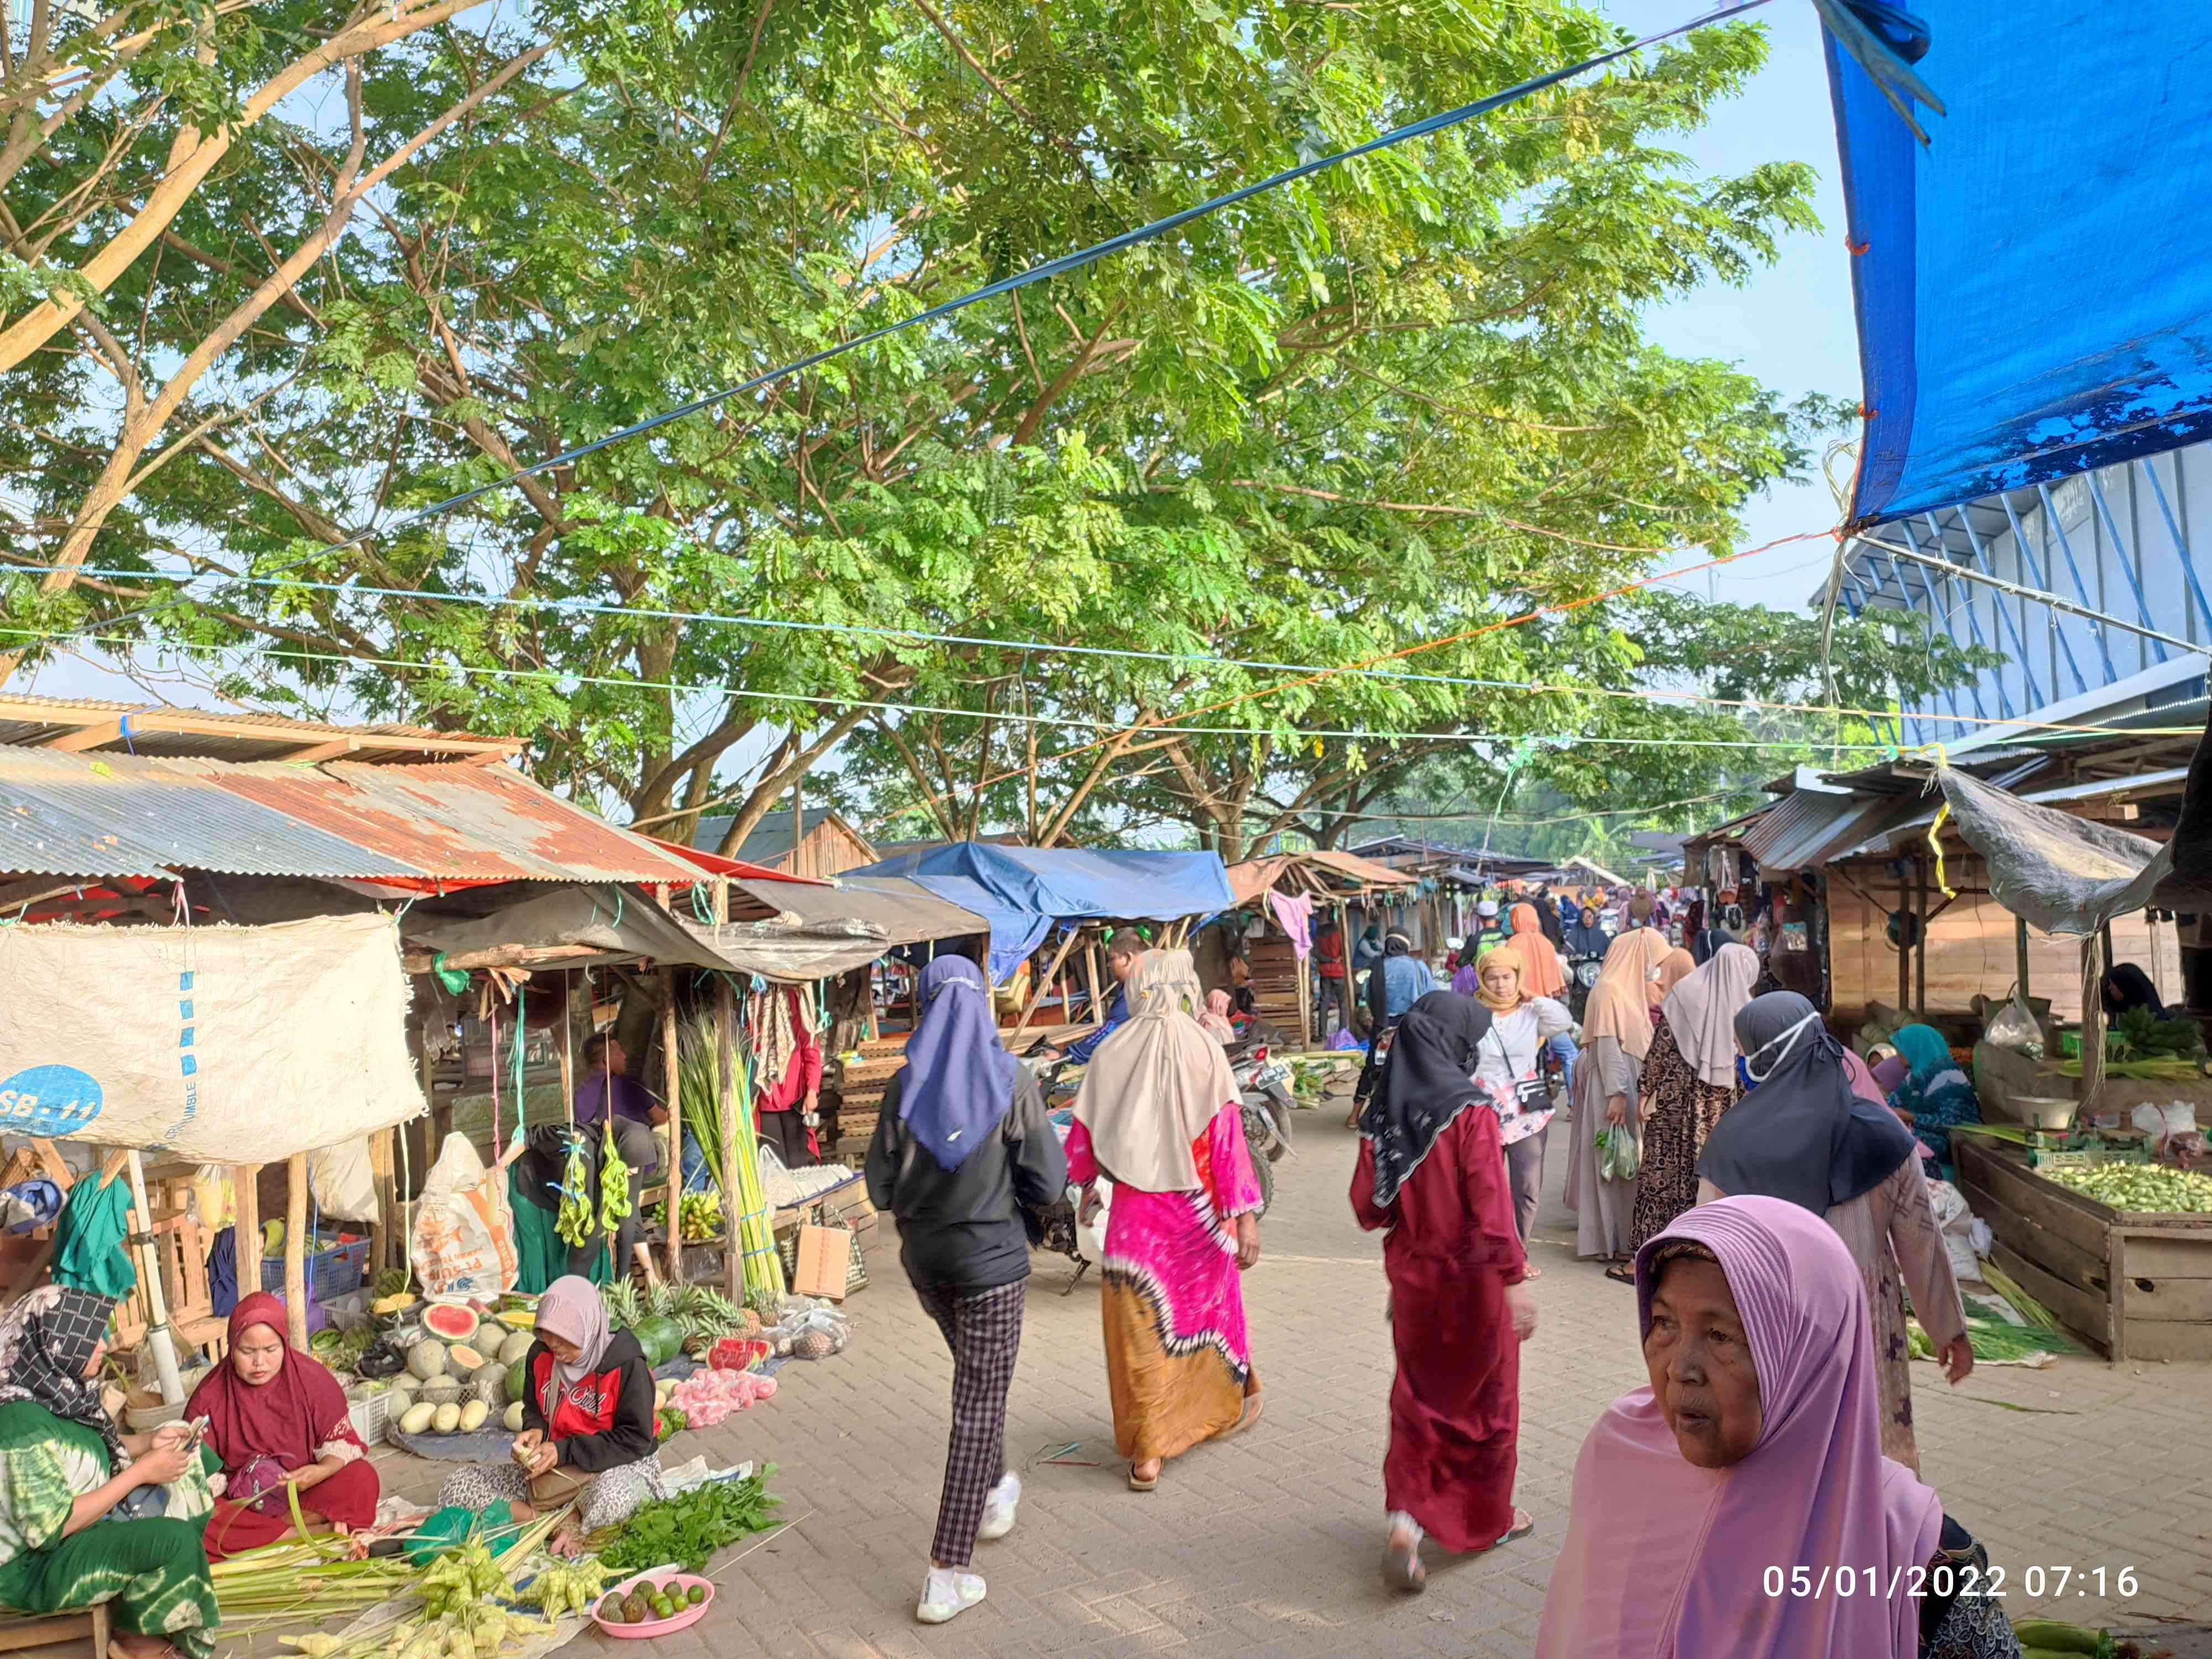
79	725
126	814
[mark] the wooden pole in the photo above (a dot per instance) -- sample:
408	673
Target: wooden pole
1305	972
671	1077
245	1231
1920	945
295	1251
733	1145
1044	982
2020	952
1097	1011
1904	944
380	1165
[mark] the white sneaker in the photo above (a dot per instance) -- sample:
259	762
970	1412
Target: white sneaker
946	1594
998	1509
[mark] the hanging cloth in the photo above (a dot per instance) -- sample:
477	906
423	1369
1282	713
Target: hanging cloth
1294	912
90	1249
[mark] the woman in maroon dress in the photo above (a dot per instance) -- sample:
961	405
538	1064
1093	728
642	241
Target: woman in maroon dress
1433	1173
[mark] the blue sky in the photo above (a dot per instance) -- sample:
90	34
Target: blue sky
1791	324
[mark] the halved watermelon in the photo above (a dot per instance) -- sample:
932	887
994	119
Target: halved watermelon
450	1321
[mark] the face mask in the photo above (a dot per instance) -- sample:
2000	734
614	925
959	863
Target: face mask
1788	1040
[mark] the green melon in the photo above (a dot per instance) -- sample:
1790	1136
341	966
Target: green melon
661	1338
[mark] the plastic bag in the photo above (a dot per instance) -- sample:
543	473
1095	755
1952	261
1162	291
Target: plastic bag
464	1242
1622	1153
2015	1027
801	1317
341	1181
2159	1123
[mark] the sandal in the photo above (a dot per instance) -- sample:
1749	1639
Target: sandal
1142	1482
1523	1524
1620	1274
1254	1404
1530	1270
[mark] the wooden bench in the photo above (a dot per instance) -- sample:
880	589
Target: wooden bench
20	1630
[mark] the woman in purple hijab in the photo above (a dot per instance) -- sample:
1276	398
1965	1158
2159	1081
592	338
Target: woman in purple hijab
963	1148
1714	1509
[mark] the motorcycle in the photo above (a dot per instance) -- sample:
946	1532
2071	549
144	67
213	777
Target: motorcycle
1263	1090
1581	974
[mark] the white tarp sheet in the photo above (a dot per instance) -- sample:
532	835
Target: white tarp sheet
227	1045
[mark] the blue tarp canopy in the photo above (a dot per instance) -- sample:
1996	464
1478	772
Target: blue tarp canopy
2034	286
1022	890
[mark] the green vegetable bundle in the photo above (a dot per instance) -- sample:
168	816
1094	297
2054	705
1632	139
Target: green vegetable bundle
690	1529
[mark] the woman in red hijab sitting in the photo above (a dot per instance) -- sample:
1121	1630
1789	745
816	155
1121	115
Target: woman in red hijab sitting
277	1418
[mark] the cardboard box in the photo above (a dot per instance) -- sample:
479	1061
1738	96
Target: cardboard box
825	1259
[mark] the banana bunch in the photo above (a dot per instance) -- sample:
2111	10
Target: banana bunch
614	1183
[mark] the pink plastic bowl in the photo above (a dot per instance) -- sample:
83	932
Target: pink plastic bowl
659	1626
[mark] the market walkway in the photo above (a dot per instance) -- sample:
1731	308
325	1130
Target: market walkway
1268	1545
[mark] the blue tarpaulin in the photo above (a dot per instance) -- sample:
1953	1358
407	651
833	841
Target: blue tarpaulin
2034	286
1022	890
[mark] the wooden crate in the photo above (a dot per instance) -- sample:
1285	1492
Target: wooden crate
2137	1286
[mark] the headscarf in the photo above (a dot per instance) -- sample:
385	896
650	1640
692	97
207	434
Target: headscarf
1619	1006
1503	955
1640	908
45	1342
1863	1080
1216	1018
1922	1048
1664	1558
1891	1072
1465	982
1550	922
1156	1083
958	1082
289	1418
1701	1012
1802	1133
1428	1081
1706	942
2126	987
1541	975
1585	938
1674	967
572	1310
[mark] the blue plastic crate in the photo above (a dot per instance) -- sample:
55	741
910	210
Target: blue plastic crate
331	1274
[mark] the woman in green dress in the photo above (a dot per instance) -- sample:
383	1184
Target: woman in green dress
64	1468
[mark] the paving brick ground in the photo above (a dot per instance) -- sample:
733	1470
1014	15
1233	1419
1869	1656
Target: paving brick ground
1266	1545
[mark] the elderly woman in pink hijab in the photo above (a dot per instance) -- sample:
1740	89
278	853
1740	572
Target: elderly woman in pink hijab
1715	1508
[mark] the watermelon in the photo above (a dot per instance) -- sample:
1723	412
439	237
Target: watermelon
450	1321
517	1379
661	1338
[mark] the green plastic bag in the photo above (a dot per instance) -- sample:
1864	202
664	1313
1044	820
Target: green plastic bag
1620	1153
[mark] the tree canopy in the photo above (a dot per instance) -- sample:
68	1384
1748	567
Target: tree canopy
1406	400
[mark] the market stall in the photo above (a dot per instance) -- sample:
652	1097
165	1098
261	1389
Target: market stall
1287	895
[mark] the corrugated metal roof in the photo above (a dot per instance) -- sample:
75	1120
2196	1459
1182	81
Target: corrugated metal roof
125	815
79	725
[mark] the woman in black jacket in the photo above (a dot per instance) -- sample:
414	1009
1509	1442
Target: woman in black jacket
963	1146
587	1423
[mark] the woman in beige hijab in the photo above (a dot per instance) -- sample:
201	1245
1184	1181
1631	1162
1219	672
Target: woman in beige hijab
1158	1117
1617	1027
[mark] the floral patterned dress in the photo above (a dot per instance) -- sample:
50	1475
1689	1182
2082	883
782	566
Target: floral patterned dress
1680	1111
1178	1358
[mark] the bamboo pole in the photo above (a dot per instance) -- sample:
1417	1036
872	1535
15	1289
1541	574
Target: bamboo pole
671	1083
1097	1011
157	1308
725	1082
1044	983
295	1251
245	1229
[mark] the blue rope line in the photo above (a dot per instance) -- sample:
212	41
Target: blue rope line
1065	266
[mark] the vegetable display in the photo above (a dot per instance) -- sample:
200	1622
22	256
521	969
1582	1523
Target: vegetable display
2139	1186
703	1221
573	1223
614	1183
689	1529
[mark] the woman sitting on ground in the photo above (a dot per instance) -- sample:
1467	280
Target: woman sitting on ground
587	1423
1936	1094
64	1470
1761	1363
278	1418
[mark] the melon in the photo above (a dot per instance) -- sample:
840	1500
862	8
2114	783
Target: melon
473	1415
490	1386
661	1338
517	1379
417	1418
489	1339
447	1418
516	1347
513	1418
427	1358
441	1390
465	1359
451	1321
406	1383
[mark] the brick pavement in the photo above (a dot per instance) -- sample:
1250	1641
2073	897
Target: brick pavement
1266	1545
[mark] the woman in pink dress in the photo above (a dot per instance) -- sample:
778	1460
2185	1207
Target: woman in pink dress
1158	1117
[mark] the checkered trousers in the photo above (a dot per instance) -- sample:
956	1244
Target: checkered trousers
983	1328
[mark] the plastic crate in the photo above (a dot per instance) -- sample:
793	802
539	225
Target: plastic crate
2085	1157
331	1274
371	1415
